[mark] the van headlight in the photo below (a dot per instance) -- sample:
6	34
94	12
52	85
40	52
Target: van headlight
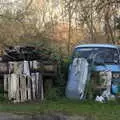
116	75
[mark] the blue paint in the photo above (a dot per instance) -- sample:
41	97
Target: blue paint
115	89
109	67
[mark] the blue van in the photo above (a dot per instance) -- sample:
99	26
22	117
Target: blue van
104	57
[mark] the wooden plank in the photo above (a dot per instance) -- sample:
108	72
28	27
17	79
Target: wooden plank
11	67
35	65
18	90
13	86
33	76
31	65
20	67
5	85
29	97
5	82
41	87
23	88
37	82
9	85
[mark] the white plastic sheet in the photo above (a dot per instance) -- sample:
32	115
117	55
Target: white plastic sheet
78	76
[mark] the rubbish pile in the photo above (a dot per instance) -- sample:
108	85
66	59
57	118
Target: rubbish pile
83	83
105	94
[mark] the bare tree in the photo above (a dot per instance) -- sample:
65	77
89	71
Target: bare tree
94	12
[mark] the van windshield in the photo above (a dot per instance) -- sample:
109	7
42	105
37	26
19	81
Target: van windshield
108	55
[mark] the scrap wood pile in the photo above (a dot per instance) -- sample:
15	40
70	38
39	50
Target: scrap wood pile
42	58
24	68
18	53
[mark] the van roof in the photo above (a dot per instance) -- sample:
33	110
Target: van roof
97	45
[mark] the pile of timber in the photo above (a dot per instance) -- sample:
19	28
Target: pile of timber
20	88
20	84
24	69
23	80
18	53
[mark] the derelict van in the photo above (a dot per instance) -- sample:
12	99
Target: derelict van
104	56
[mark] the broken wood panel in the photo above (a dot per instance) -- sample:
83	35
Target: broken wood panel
13	86
11	67
23	89
29	88
37	82
35	66
9	85
18	97
5	82
41	87
33	76
5	85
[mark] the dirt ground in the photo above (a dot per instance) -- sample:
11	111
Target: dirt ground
10	116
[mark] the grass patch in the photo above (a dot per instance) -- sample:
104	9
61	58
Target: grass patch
98	111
